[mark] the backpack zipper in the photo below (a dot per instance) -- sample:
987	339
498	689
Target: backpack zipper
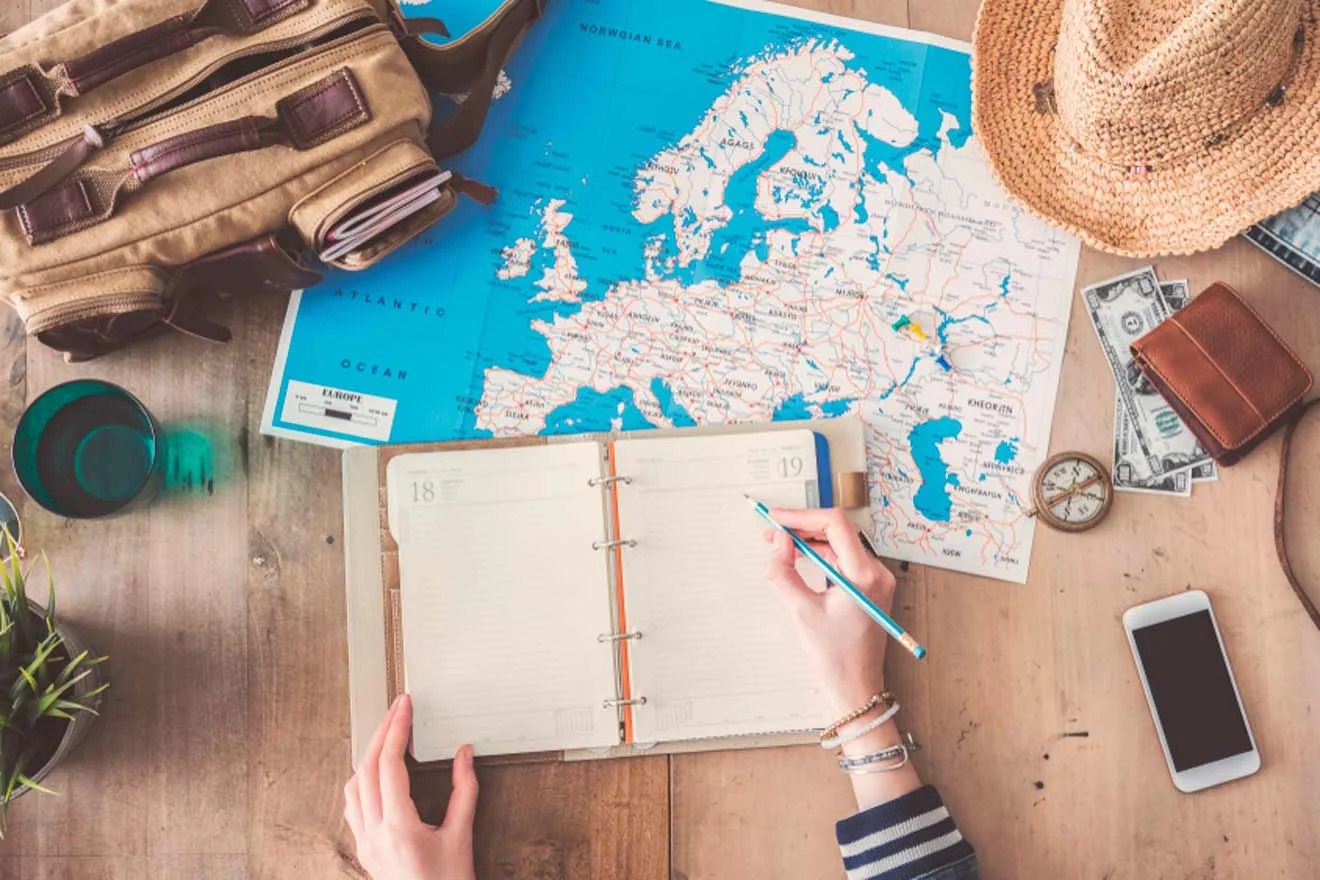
48	318
350	24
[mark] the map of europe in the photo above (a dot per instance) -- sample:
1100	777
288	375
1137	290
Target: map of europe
713	213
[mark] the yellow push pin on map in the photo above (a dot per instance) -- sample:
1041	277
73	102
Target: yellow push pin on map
914	329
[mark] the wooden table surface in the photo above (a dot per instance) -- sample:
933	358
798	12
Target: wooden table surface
224	742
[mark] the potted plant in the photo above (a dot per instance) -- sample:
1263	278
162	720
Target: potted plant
50	686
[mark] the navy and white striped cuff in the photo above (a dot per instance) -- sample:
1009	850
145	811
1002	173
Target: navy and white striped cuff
907	837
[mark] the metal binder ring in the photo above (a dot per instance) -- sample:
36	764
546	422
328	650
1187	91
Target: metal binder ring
610	545
608	481
614	704
618	637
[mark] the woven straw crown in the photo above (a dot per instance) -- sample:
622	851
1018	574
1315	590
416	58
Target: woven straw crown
1137	84
1150	126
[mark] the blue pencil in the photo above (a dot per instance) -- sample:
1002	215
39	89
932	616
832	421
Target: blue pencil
863	601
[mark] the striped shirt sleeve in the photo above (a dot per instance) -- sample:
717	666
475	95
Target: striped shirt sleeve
907	838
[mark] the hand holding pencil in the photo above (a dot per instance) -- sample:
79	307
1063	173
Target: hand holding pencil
846	646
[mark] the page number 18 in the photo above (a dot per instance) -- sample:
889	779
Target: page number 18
423	491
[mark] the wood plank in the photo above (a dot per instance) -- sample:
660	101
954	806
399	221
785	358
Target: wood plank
949	18
193	866
154	590
298	735
74	868
594	819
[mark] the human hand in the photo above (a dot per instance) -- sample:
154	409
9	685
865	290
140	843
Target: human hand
846	647
393	843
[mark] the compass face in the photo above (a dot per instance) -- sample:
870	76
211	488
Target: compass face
1072	492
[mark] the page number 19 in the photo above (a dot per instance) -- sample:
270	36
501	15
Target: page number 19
790	466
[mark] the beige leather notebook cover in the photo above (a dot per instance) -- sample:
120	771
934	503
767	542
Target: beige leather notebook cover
687	710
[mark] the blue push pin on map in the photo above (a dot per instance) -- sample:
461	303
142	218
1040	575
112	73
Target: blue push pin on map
930	346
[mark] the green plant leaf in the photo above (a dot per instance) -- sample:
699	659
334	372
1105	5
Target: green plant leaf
27	780
50	603
78	705
19	766
70	667
32	682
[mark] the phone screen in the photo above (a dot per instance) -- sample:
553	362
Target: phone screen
1193	693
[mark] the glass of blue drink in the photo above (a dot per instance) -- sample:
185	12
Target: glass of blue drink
88	449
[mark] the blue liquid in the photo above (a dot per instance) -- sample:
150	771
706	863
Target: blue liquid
96	455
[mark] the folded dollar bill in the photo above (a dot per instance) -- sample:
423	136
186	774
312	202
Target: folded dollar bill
1152	445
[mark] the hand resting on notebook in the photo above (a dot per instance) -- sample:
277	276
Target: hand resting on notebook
393	843
902	831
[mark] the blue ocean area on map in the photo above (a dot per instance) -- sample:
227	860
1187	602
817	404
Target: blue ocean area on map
932	499
425	325
1006	451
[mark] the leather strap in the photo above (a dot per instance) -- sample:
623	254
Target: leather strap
1280	515
404	28
47	178
113	60
273	262
239	136
480	73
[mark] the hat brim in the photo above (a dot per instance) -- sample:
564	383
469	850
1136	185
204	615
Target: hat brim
1269	164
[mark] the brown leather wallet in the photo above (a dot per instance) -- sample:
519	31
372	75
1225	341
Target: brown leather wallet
1224	371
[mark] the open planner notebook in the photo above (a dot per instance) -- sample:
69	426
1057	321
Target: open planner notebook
591	594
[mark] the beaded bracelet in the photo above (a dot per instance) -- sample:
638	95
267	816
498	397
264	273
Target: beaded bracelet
849	762
898	757
833	730
839	739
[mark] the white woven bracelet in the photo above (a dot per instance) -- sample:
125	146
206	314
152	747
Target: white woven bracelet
860	732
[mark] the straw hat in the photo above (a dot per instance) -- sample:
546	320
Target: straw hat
1150	127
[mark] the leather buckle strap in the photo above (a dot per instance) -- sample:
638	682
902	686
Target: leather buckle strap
28	100
1280	514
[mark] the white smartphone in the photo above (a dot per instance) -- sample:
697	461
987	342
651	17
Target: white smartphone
1191	691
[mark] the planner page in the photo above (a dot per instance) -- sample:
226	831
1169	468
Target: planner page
718	655
503	599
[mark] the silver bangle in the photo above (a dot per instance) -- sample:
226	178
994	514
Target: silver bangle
866	769
889	754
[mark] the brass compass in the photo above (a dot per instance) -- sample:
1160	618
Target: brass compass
1072	492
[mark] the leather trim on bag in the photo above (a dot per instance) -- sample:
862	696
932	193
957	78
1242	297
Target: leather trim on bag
20	101
238	136
265	263
62	207
26	100
111	61
255	15
323	110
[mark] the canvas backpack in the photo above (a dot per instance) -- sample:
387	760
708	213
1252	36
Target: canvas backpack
152	151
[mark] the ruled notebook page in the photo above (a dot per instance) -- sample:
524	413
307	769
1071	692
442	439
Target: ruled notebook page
718	654
503	598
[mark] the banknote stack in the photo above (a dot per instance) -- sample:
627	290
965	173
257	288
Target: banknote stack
1154	452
